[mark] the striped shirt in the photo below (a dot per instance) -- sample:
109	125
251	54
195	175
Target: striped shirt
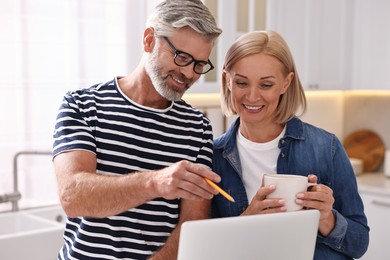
127	137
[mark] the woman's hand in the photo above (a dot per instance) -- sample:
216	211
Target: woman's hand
261	205
319	197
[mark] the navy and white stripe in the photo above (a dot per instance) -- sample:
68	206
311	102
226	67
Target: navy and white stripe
127	137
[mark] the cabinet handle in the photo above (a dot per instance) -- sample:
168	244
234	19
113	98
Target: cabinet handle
381	203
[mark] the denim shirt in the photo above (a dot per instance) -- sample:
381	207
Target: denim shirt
304	150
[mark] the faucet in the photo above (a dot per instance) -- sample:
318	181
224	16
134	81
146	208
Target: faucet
10	197
15	196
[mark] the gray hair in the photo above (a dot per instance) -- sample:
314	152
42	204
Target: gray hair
170	15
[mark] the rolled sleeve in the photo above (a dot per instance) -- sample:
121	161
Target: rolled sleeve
336	237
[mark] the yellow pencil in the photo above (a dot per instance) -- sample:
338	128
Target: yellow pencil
223	193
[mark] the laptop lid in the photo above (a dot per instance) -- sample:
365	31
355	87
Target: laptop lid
290	235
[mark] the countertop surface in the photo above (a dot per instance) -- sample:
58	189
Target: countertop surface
374	182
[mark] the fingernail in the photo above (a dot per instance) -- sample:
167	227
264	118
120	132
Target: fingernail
272	187
300	195
281	202
298	201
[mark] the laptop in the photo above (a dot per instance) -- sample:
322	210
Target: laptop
290	235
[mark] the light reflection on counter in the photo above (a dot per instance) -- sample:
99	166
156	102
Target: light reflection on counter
213	99
203	100
332	110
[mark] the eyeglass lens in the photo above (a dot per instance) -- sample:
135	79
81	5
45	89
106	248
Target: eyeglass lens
183	59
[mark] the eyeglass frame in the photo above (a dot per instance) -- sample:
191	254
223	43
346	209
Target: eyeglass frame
192	59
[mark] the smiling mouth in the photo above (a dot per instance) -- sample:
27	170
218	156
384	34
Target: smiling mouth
253	108
177	80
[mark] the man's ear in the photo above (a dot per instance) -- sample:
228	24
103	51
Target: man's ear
149	39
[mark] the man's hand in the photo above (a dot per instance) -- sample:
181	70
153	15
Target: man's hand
185	180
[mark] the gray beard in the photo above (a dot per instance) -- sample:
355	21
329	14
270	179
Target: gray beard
159	81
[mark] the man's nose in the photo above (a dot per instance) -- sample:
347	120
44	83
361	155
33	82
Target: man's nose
188	71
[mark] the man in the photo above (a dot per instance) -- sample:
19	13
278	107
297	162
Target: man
130	156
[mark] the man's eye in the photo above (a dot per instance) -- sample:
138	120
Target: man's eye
182	58
200	65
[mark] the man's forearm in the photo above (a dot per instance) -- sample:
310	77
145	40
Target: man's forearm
94	195
170	250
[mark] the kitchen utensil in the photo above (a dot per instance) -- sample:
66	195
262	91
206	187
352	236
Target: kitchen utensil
386	167
357	165
366	145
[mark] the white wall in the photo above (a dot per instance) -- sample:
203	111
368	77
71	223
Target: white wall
325	109
48	47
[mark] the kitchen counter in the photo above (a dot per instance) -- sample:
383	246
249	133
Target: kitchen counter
374	182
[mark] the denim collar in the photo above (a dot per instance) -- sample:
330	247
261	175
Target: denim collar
228	140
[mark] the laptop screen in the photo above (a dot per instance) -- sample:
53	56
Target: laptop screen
290	235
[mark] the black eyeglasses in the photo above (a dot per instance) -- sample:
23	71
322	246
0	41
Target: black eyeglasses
183	59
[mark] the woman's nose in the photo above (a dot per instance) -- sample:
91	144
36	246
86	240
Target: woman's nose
253	94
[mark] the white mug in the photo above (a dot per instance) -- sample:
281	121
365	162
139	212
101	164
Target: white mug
287	187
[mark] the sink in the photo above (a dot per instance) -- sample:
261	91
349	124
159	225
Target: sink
51	213
16	224
31	234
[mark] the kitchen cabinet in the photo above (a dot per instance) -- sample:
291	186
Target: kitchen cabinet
374	189
320	37
371	64
235	17
377	209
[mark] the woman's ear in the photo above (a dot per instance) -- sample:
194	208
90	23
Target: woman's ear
287	82
149	39
226	79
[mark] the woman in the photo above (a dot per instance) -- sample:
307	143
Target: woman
260	84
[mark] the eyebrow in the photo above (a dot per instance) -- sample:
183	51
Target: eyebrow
262	78
268	77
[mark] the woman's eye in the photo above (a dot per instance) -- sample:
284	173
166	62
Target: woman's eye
266	85
241	83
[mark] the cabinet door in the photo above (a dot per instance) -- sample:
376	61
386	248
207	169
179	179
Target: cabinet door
235	17
377	209
372	39
290	19
319	34
330	43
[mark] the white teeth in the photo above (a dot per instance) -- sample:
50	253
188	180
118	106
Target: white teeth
253	107
177	80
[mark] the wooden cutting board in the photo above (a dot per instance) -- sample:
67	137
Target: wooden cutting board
365	145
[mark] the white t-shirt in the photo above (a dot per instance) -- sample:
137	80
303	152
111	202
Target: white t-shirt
257	159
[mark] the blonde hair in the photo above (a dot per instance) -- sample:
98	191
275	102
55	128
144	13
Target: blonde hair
268	43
